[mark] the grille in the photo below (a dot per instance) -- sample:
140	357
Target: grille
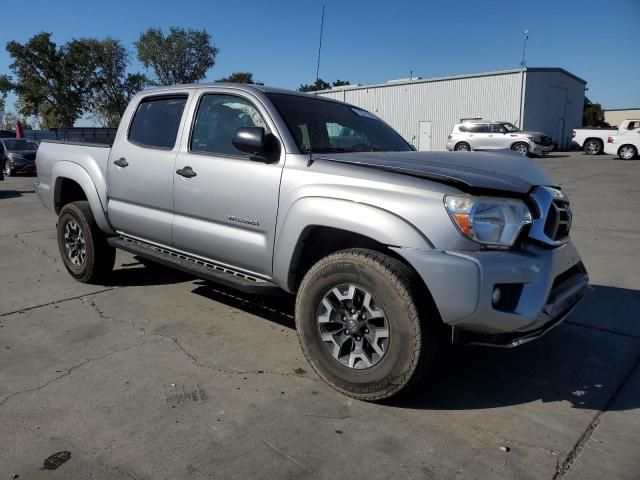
558	221
544	140
30	156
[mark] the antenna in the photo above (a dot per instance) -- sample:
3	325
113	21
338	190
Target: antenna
523	63
320	45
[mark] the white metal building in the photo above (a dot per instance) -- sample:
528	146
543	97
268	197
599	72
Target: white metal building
423	111
614	117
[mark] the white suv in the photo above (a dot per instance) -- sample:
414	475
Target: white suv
485	135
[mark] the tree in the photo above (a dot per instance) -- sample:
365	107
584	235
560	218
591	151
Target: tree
6	85
239	77
113	87
322	85
183	56
53	83
10	120
593	115
318	85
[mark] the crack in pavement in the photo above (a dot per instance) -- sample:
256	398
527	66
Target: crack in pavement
284	454
26	233
68	372
574	454
40	250
55	302
491	433
190	355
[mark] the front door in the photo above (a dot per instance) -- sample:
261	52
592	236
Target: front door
141	169
227	211
497	137
424	142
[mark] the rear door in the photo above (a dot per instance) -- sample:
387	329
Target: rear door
141	169
479	136
227	211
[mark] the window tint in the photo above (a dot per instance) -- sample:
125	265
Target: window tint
156	122
497	128
218	119
478	128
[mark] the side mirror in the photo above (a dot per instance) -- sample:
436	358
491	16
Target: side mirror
250	140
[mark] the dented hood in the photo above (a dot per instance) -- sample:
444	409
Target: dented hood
502	171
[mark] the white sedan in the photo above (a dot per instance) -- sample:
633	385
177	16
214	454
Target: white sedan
625	145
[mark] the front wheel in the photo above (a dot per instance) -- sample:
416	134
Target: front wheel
360	325
8	171
521	148
84	249
593	147
627	152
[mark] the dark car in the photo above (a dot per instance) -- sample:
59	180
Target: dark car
18	155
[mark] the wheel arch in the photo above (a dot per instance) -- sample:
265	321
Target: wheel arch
316	226
71	183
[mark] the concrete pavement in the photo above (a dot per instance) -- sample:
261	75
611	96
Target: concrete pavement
159	375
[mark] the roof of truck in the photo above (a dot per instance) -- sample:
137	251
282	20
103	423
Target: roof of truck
239	86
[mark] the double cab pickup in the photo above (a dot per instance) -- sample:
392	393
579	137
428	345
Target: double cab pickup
389	252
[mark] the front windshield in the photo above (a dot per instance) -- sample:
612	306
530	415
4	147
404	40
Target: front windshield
509	127
323	126
19	144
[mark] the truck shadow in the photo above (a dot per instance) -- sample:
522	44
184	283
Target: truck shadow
584	361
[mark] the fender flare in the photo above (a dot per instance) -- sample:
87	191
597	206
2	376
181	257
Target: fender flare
374	222
72	171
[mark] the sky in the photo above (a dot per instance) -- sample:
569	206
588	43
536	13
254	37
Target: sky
372	41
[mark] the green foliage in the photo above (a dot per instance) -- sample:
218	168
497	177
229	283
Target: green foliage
593	115
113	87
6	85
239	77
182	56
53	83
11	118
320	84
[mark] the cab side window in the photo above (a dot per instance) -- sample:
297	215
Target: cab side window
497	128
218	119
480	128
156	122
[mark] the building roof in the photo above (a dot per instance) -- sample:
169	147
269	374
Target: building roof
619	109
395	83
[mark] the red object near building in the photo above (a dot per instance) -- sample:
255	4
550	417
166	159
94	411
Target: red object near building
19	130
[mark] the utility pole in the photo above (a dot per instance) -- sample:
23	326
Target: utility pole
523	63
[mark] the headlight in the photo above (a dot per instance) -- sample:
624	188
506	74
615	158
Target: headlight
16	157
534	139
488	220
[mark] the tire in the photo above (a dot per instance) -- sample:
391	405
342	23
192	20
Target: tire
627	152
8	171
83	236
593	146
411	327
462	147
521	147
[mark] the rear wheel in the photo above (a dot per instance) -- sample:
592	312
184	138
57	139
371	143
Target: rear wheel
593	146
360	325
521	148
627	152
84	249
462	147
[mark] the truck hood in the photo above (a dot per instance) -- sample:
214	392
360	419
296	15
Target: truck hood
472	172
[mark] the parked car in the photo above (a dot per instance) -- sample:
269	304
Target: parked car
592	140
626	145
484	135
18	155
390	252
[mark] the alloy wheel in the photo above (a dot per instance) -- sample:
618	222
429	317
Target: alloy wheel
353	326
627	152
74	243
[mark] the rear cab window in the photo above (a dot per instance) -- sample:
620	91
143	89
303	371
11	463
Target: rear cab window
156	121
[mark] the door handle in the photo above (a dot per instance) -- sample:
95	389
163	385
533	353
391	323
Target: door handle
186	172
121	162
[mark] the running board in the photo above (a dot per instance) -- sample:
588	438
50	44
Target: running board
195	266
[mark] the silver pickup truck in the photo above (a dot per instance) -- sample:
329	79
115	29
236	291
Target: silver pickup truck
390	252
